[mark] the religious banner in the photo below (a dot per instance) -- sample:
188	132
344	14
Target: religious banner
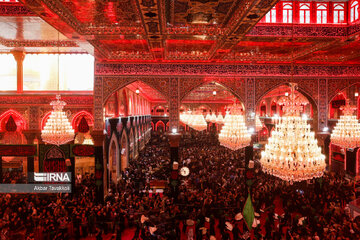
18	150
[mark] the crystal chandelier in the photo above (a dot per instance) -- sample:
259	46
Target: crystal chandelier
220	119
208	117
346	133
292	152
258	124
88	140
198	121
184	117
58	129
234	134
213	118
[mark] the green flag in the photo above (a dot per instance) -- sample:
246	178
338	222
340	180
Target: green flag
248	212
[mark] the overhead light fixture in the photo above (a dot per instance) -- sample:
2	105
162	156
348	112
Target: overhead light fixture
356	94
251	130
346	133
234	134
214	93
137	91
198	121
58	129
286	94
292	152
220	119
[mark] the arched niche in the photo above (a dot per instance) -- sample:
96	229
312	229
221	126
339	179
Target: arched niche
18	118
272	96
160	110
160	127
77	117
132	144
124	151
263	111
352	93
132	99
113	156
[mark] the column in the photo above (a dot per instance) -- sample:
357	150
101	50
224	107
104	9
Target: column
322	104
19	57
174	141
250	102
100	165
98	104
174	104
30	136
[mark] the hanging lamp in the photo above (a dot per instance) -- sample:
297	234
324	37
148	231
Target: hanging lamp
58	130
292	152
198	121
346	133
234	134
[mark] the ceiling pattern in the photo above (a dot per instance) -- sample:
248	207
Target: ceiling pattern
173	31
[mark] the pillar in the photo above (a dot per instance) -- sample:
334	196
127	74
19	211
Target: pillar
98	104
100	177
30	136
174	102
19	57
174	141
322	104
250	102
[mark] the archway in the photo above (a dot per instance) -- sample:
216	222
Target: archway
134	99
210	98
160	127
12	124
263	109
124	153
113	164
272	101
351	93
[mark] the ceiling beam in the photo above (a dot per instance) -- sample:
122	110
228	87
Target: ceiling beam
244	18
153	19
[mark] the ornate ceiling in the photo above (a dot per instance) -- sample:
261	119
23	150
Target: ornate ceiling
196	31
205	94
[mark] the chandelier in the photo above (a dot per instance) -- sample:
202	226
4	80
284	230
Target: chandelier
58	129
346	133
184	117
258	124
234	134
198	121
88	140
213	118
220	119
292	152
208	117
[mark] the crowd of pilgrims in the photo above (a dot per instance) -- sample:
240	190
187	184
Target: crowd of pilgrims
206	204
